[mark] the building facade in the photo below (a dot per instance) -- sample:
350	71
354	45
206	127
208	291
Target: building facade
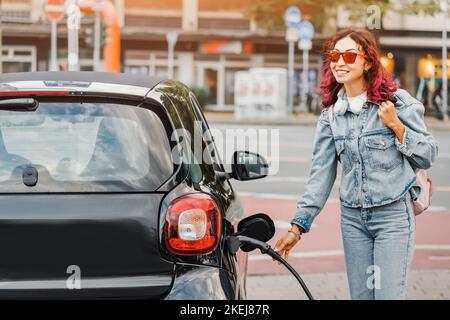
412	46
214	39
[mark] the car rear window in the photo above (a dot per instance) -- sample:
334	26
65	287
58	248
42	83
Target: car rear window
77	147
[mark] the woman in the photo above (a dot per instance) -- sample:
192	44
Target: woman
377	132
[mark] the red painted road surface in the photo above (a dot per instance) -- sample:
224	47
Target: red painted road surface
323	244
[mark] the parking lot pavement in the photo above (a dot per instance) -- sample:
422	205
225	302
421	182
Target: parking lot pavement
422	284
321	250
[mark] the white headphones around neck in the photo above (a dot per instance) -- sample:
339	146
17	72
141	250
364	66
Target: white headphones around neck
342	104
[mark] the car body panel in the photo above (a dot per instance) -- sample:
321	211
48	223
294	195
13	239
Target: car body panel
81	82
202	283
41	237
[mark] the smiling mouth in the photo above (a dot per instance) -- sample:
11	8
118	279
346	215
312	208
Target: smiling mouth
341	73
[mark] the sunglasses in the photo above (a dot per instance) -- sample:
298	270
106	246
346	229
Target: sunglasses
348	56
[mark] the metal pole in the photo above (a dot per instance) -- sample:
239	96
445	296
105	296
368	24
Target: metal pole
305	78
97	41
171	40
1	51
444	63
73	50
170	60
73	25
291	76
53	61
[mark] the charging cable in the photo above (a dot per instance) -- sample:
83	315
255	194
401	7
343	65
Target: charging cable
235	242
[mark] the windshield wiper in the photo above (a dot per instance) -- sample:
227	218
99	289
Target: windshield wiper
19	104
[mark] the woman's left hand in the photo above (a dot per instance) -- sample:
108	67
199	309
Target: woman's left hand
388	115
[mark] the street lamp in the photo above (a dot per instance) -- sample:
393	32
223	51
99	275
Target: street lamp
444	9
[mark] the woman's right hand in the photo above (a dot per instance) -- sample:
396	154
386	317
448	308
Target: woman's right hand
288	241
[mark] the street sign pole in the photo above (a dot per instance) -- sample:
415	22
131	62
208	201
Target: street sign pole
97	40
171	41
54	10
305	78
305	43
291	76
292	18
444	8
291	38
53	58
1	51
73	26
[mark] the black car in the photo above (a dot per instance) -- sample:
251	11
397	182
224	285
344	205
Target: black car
103	195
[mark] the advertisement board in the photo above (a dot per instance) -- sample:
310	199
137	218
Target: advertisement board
260	93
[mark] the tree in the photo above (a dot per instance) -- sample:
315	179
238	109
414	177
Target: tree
268	14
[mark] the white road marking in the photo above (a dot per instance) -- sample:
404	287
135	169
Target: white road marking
272	179
300	255
432	246
439	258
285	225
283	179
278	196
436	208
290	159
336	253
441	188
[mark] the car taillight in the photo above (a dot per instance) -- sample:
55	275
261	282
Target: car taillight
192	224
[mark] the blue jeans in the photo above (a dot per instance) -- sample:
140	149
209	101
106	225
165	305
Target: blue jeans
378	246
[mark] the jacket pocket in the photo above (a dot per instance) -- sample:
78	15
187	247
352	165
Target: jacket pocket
382	153
342	155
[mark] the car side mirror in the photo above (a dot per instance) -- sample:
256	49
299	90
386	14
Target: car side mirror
258	226
248	165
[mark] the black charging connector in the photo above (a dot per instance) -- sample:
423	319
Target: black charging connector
235	242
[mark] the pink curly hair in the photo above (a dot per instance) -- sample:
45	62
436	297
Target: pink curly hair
380	85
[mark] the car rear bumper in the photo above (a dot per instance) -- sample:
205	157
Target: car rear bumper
189	283
202	283
150	286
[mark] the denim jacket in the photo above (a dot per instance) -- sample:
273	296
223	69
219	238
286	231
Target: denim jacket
376	168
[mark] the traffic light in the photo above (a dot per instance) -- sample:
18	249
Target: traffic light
89	36
102	34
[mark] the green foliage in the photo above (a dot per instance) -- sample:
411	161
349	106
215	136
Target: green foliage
269	14
427	7
201	94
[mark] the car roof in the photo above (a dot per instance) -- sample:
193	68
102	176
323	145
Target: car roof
84	76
